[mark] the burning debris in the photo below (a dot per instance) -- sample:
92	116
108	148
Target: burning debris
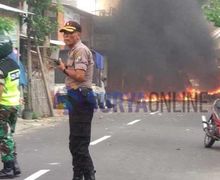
160	102
189	95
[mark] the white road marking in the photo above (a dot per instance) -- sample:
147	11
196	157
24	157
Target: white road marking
99	140
204	118
37	174
204	121
133	122
152	113
53	164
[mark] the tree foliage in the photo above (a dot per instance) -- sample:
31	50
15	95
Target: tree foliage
212	11
6	24
41	24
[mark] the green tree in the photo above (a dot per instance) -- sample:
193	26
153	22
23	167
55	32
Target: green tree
41	25
212	11
6	24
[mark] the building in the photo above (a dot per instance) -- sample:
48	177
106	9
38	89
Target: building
105	7
72	3
98	7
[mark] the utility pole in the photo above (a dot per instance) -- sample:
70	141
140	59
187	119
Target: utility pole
28	111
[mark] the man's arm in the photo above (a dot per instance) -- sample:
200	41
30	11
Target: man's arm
77	71
78	74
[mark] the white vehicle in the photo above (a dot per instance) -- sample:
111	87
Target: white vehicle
100	94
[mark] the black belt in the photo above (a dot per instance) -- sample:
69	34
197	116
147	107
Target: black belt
84	89
81	89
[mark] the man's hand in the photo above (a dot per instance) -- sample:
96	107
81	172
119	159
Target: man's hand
61	66
78	75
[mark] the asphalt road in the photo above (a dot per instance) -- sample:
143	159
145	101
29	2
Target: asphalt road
133	146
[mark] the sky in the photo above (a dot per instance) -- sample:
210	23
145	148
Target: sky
87	5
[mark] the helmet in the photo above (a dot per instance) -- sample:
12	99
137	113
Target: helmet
5	46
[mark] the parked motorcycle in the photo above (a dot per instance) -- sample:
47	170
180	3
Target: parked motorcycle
211	126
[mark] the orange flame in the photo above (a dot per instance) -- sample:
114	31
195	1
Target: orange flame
187	95
213	92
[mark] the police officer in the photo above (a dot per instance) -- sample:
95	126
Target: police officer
79	73
9	104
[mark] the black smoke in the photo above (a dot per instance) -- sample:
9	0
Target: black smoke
160	45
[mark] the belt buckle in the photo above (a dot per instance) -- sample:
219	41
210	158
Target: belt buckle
74	87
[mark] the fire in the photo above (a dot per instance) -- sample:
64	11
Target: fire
190	94
152	98
213	92
193	91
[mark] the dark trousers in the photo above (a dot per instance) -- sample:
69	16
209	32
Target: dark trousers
81	110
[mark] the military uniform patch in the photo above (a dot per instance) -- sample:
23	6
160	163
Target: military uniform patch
14	75
78	59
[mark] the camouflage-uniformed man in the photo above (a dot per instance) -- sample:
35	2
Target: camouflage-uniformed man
9	103
79	73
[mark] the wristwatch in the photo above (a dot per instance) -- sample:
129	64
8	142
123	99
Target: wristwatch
64	71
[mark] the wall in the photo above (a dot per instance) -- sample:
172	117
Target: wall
106	7
85	19
106	4
68	2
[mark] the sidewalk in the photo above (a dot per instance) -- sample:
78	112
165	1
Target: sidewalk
24	126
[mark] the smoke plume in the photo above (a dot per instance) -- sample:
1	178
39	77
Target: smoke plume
160	46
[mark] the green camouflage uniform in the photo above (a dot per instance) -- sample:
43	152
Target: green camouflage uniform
9	103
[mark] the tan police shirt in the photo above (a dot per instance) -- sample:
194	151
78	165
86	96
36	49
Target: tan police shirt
80	57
